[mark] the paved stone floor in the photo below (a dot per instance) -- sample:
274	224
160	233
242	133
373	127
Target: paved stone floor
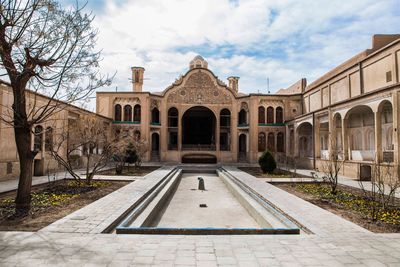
76	240
61	249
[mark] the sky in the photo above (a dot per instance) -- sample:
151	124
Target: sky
282	41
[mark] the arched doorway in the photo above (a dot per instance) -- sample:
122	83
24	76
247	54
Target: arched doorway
155	147
361	133
305	134
198	129
242	147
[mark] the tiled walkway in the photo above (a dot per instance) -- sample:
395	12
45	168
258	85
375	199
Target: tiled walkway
76	240
60	249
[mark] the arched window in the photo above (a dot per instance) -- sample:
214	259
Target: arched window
261	115
128	113
271	142
242	117
136	135
225	118
155	116
117	112
280	142
38	139
173	128
270	115
261	142
173	117
279	115
225	130
48	140
136	113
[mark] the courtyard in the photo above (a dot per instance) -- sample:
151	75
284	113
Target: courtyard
85	237
199	133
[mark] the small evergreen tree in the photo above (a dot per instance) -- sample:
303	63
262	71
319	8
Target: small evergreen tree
131	154
267	162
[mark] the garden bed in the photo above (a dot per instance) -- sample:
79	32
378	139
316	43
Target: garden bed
131	171
51	202
277	173
348	203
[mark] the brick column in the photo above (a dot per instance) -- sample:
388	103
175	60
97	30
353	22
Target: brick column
378	136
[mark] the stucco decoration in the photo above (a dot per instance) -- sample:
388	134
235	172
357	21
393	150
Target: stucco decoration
154	104
274	103
126	100
244	106
199	88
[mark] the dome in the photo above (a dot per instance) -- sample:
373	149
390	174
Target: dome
198	62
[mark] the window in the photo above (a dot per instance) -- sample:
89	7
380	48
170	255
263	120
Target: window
155	116
48	141
128	113
279	115
172	117
173	129
271	142
261	142
38	139
242	117
136	135
280	142
117	112
270	115
261	115
225	130
136	113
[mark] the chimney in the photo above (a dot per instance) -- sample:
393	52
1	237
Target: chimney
234	83
137	78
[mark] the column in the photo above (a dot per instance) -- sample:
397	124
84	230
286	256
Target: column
317	138
378	136
345	140
396	124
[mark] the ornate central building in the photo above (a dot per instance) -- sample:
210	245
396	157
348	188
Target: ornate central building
199	118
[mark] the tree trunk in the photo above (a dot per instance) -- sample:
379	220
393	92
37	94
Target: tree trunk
23	140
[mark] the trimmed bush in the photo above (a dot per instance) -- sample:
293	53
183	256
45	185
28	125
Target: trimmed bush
131	154
267	162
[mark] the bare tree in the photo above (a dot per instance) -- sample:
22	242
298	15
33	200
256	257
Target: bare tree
50	50
121	142
87	138
381	193
141	147
332	166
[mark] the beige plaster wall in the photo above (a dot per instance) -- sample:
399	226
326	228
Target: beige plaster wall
374	74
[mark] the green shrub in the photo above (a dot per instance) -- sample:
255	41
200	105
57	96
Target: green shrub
131	154
267	162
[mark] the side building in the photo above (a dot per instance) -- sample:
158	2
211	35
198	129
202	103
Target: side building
43	134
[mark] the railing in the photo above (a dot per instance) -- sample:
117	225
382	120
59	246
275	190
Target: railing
243	125
198	147
225	148
271	124
126	122
155	123
172	146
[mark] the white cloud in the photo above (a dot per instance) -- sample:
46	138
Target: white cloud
284	40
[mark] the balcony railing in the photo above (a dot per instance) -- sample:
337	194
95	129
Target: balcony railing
126	122
198	147
271	124
155	123
242	125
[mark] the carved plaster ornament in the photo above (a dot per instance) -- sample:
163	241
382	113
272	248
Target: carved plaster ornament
199	88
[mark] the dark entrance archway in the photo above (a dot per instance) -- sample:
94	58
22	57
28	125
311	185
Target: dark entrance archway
155	147
198	129
242	147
